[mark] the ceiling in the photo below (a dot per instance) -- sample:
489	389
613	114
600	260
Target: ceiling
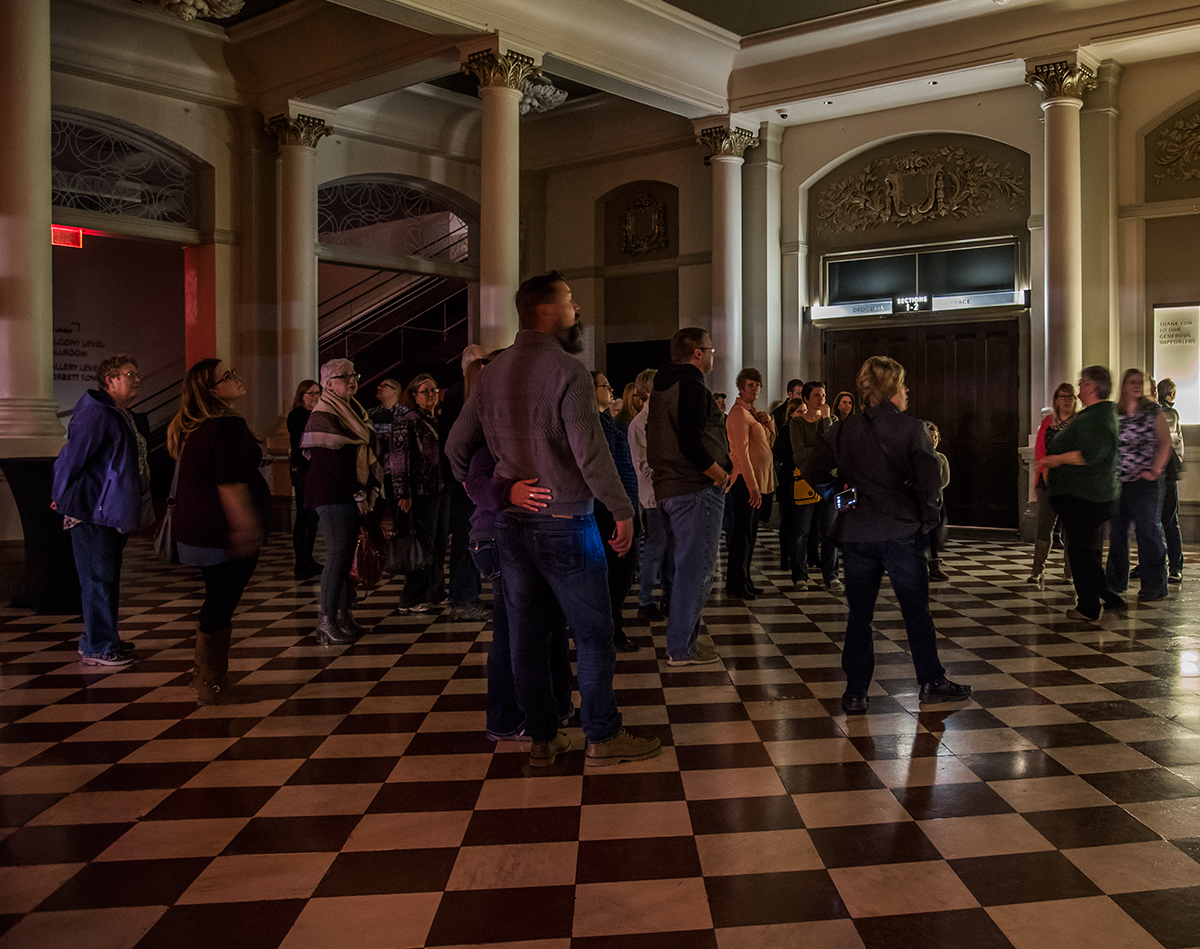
745	17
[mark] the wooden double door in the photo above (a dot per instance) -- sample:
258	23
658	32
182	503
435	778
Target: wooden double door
965	377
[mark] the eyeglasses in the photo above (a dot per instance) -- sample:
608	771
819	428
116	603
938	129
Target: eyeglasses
128	374
315	393
433	391
229	374
605	385
348	376
711	349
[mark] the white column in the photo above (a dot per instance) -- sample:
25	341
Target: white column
762	330
297	327
502	78
1061	84
726	144
29	425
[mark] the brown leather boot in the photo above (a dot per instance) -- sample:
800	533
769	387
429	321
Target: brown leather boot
211	678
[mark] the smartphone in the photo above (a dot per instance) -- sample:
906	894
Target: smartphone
845	500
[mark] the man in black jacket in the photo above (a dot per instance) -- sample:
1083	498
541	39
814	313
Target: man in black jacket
889	461
688	449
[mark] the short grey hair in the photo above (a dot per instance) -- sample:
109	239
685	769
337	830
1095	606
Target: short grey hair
644	382
1100	377
334	367
471	353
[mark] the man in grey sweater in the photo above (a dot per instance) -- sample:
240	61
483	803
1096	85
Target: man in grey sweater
535	406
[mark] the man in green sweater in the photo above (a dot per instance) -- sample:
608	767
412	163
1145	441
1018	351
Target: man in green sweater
1082	477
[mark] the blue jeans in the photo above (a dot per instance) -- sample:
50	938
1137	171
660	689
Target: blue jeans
1140	503
544	559
654	558
694	526
814	519
98	554
904	561
339	529
504	715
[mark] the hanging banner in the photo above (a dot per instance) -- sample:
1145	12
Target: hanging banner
1177	356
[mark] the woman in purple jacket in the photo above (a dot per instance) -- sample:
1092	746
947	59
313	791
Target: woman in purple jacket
102	489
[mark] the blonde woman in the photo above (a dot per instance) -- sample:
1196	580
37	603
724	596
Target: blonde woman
222	508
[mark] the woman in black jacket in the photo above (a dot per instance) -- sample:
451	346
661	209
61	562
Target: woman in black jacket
222	508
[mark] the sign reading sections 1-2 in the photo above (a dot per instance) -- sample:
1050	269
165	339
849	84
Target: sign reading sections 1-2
1177	356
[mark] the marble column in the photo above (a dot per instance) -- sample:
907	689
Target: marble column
502	77
726	144
29	426
298	342
1062	83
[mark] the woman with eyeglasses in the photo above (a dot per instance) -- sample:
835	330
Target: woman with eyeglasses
304	527
344	478
102	489
222	508
422	497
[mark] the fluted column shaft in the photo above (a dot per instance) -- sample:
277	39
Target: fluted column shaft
297	327
1062	85
502	78
726	145
28	411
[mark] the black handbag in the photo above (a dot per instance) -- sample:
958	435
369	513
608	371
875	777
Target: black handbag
165	546
405	552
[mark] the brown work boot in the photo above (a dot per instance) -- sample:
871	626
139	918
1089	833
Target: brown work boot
543	753
621	747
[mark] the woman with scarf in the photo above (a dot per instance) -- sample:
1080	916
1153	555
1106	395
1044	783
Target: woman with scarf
422	497
343	482
222	508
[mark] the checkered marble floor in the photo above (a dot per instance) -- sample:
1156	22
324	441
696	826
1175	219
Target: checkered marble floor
356	801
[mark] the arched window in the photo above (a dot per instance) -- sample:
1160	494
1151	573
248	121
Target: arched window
104	165
394	215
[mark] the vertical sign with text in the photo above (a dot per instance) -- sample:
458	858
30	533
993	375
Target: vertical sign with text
1177	356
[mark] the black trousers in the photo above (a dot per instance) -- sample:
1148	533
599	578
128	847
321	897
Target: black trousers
224	584
741	537
1083	526
620	569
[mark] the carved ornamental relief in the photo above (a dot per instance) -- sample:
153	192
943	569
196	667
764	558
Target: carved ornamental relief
949	181
643	226
1179	147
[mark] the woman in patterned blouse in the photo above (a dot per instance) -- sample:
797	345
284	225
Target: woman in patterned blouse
1144	449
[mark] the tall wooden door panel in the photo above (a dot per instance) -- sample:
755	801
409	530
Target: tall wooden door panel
964	377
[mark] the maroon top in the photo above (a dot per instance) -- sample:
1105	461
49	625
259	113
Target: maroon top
332	476
220	451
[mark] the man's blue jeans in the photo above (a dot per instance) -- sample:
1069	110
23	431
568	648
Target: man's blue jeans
504	715
654	558
98	554
904	561
1140	503
543	559
694	526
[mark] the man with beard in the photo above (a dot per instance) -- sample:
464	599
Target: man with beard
535	406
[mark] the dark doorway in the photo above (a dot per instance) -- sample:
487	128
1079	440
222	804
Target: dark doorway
965	377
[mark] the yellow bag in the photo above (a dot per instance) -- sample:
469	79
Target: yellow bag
802	492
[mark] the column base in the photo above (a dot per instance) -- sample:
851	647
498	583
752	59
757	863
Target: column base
29	418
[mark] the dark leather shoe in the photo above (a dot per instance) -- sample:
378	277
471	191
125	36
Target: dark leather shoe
329	633
653	612
757	591
1116	603
745	595
855	704
943	690
625	644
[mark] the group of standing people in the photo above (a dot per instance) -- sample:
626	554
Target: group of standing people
1116	464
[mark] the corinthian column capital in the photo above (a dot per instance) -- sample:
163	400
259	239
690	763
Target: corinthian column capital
301	130
1069	78
511	70
726	140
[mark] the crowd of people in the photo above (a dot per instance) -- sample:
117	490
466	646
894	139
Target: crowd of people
563	500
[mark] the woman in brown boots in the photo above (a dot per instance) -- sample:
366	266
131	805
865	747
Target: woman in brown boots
1061	416
222	507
